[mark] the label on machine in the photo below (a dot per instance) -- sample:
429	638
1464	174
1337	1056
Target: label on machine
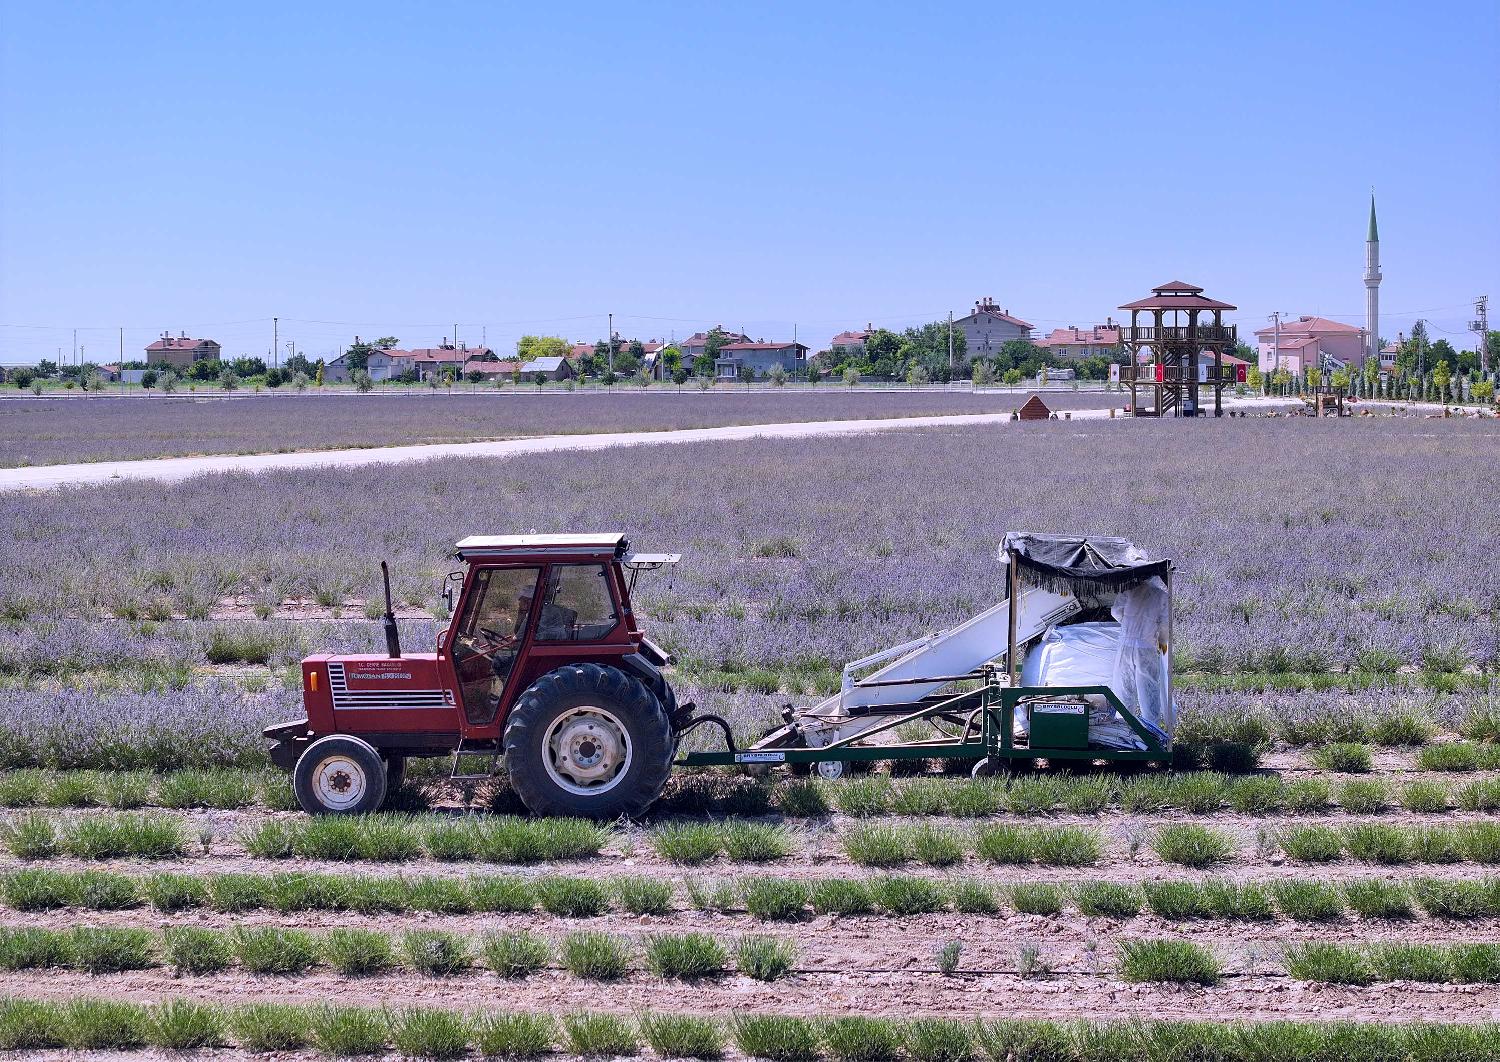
1058	708
760	757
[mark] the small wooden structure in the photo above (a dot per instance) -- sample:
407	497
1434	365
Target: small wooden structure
1180	350
1034	409
1327	400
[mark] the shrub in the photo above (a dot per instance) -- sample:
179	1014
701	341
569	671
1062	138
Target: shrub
190	950
1364	796
1410	962
682	1036
175	892
860	1039
109	949
1456	899
422	1032
31	837
970	896
877	845
1425	796
1036	899
1176	900
685	956
1243	902
1371	842
347	1031
1308	901
31	948
860	797
434	952
935	847
902	895
1330	963
644	896
1192	845
102	1024
1312	844
1108	899
1165	959
274	950
39	889
185	1025
1373	898
775	1038
516	953
765	958
358	952
938	1040
1451	756
599	1035
1481	841
502	894
270	1026
688	843
1346	757
842	896
596	956
572	897
774	899
1307	795
515	1035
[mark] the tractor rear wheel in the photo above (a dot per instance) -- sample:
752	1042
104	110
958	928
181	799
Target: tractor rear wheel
339	775
588	740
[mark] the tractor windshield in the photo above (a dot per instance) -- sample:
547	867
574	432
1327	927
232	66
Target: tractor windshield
578	606
489	638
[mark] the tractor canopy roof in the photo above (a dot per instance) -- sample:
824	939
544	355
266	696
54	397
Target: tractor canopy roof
605	546
1082	561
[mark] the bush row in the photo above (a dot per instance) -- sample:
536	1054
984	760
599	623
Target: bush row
180	1024
42	889
274	950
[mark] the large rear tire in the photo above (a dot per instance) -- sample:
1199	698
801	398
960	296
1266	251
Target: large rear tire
339	775
588	740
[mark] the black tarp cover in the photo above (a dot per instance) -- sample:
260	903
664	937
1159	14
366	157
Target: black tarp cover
1083	561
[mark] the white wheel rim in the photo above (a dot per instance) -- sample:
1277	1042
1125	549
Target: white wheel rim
831	769
340	782
586	750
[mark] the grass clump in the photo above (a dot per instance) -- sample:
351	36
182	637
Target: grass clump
596	956
1461	900
938	1040
687	843
103	1024
185	1025
1481	842
274	950
347	1031
643	896
1371	842
682	1036
39	889
358	952
1307	795
111	836
802	799
905	895
775	899
515	1035
936	847
600	1036
877	845
1452	756
1333	964
755	842
776	1038
1345	757
515	953
863	797
1365	796
685	956
1167	959
1480	795
191	950
1036	899
765	958
32	948
572	897
860	1039
970	896
1378	899
1067	846
175	892
1425	796
1308	901
1246	902
110	949
1312	844
1107	899
1429	963
1192	845
842	896
31	837
271	1027
1176	901
1259	795
502	894
424	1032
435	952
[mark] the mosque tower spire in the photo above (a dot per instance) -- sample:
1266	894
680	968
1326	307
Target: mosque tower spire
1372	287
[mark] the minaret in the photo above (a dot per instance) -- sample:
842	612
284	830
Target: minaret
1372	288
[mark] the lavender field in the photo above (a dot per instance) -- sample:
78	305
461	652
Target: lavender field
57	431
1303	547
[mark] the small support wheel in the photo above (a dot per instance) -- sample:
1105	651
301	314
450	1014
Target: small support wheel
339	775
832	770
985	768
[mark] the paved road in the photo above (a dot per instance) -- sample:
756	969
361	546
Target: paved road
170	469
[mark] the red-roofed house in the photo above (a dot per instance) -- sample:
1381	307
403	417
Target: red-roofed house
1075	342
430	361
852	341
694	345
989	328
181	352
1310	343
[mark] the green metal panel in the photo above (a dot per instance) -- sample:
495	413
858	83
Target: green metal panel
1059	725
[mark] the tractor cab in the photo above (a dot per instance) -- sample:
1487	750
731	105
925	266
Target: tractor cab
536	620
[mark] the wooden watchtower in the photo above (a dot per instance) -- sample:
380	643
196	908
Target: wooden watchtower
1179	349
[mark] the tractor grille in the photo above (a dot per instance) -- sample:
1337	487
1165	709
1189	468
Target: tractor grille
366	700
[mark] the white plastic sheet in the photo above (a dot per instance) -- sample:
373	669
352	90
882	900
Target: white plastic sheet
1141	668
1098	654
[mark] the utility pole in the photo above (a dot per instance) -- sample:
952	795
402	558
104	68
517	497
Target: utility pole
609	341
276	340
950	346
794	351
122	350
75	345
1276	348
1481	324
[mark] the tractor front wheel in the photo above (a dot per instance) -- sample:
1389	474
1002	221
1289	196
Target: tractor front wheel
339	775
588	740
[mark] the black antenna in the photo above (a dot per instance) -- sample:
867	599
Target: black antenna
392	637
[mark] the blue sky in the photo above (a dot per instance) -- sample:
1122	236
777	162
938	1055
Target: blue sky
388	168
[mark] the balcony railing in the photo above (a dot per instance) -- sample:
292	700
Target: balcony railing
1145	375
1180	334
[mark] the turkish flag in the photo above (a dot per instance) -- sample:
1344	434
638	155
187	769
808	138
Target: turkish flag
1239	374
1161	373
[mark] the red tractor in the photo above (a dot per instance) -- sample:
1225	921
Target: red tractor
543	665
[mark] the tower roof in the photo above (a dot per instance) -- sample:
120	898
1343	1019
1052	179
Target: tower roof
1374	236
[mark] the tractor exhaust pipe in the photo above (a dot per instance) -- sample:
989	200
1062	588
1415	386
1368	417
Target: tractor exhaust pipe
392	636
